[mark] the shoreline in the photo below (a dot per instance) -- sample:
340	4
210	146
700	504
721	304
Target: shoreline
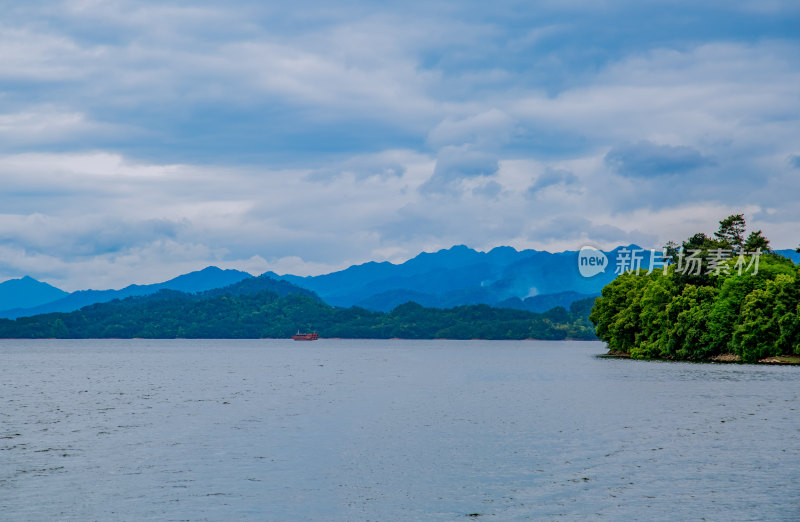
723	358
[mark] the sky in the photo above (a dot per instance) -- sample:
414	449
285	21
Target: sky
140	140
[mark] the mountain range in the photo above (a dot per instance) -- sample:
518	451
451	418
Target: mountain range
263	307
504	277
527	279
16	293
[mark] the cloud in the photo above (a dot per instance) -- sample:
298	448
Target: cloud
490	189
43	126
487	128
577	229
382	164
455	164
647	159
26	55
82	236
169	136
551	177
709	94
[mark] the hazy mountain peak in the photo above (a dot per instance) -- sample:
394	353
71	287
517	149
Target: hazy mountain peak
199	281
27	292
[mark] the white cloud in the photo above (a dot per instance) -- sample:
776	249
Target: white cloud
186	217
490	128
707	94
128	131
43	126
29	55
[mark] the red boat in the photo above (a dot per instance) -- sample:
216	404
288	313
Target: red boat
313	336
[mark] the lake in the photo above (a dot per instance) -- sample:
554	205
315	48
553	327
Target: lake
389	430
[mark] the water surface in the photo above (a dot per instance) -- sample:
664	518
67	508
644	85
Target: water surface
389	430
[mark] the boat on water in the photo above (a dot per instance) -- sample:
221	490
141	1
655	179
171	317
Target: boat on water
313	336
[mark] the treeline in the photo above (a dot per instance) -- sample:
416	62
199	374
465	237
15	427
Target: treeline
257	309
721	306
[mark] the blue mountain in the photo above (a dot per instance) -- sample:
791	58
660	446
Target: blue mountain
791	254
460	275
542	303
529	279
206	279
27	292
504	277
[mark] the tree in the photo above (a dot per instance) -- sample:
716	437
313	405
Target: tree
756	241
688	334
731	232
701	246
725	311
671	249
767	328
59	329
754	314
616	314
700	241
652	340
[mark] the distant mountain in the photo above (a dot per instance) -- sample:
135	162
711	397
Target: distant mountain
27	292
463	276
543	303
263	307
391	299
428	273
791	254
504	277
206	279
262	283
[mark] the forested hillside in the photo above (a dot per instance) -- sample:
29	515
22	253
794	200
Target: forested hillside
265	308
726	294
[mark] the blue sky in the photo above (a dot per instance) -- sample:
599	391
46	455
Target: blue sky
141	140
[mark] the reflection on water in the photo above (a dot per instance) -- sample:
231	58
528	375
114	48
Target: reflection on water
389	430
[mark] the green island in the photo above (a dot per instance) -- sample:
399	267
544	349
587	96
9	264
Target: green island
727	312
263	307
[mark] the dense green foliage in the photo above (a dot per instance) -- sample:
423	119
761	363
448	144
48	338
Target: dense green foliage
698	316
262	308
